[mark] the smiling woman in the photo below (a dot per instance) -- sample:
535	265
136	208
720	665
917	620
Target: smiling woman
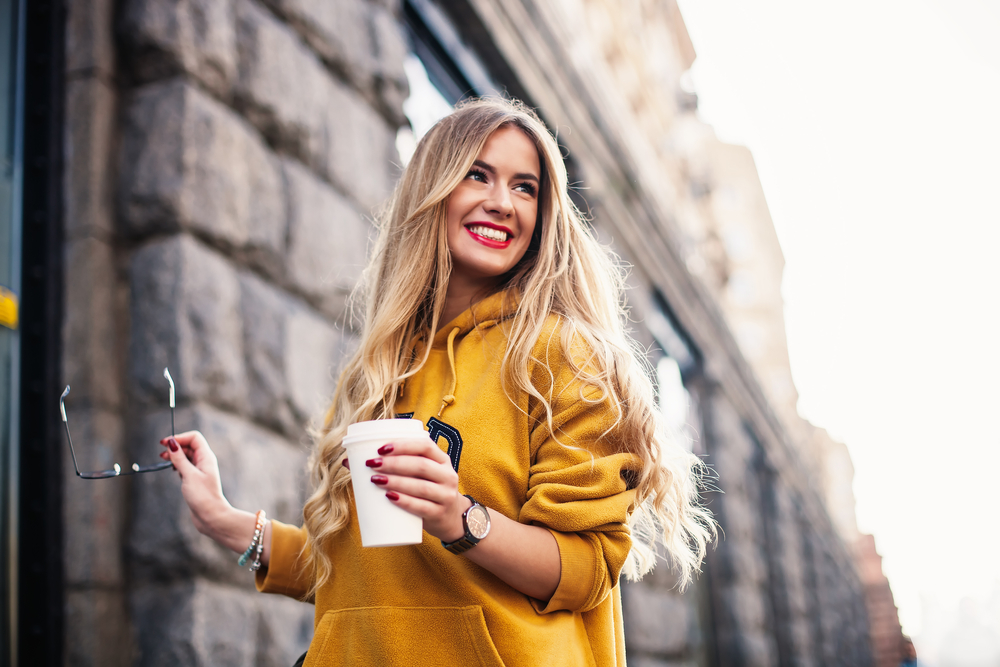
493	316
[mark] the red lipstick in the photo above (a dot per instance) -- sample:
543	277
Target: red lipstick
488	242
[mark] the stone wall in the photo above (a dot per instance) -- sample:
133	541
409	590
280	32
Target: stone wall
223	159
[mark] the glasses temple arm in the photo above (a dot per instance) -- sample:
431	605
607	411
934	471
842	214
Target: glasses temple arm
72	451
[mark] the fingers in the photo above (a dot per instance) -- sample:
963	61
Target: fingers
434	492
189	451
194	445
178	457
416	447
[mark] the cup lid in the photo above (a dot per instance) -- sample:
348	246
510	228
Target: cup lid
380	428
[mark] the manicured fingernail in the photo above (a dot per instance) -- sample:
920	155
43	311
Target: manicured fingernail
173	445
392	495
373	463
380	479
385	449
346	463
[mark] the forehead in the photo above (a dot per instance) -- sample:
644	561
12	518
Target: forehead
510	147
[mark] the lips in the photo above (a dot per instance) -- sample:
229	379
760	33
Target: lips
490	235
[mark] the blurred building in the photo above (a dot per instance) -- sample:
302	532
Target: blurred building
887	635
191	186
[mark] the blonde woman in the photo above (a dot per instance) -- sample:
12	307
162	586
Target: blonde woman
495	318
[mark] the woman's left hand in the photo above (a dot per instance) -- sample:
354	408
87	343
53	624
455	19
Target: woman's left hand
418	477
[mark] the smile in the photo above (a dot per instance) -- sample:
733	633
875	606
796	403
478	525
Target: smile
489	236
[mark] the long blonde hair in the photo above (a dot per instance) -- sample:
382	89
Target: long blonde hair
566	272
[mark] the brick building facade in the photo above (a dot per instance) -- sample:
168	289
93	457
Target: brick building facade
221	162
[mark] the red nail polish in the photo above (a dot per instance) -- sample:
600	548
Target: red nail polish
173	445
373	463
380	479
163	441
392	495
346	463
385	449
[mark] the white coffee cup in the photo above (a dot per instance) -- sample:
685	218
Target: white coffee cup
382	523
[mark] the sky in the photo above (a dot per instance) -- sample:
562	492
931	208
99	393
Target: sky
875	127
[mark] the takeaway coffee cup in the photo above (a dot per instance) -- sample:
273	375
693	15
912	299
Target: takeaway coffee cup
382	523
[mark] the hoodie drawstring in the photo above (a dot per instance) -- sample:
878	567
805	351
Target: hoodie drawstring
449	398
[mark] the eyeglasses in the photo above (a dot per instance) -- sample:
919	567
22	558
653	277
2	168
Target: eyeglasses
117	470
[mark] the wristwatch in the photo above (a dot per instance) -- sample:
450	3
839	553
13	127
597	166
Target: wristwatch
476	521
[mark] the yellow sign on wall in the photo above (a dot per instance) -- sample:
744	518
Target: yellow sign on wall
8	308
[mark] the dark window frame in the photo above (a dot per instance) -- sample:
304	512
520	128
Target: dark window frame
40	575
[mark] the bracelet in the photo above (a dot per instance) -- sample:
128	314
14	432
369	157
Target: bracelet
256	544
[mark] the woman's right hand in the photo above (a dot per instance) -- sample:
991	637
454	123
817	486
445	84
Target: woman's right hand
201	486
201	483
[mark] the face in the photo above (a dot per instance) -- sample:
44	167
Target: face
491	214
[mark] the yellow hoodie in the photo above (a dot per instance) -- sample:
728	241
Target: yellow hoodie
421	605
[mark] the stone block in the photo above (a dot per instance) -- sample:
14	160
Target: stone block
313	355
293	357
92	357
657	621
185	314
90	37
282	86
191	163
94	510
259	470
311	115
97	628
194	623
327	238
204	624
362	156
284	631
168	37
91	112
391	48
265	311
338	30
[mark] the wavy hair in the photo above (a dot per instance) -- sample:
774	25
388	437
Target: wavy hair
566	272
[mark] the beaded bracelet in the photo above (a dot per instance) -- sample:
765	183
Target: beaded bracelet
255	565
256	544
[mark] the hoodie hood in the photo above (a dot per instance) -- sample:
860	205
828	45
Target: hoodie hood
482	315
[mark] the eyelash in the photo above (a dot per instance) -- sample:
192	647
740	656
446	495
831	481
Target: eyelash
529	188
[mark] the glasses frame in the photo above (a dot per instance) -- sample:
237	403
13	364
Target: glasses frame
117	470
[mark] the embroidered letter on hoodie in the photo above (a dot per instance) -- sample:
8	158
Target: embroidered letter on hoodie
438	429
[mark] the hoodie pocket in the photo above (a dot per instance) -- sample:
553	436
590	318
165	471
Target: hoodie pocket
398	636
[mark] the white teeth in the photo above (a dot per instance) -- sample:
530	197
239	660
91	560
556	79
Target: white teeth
489	232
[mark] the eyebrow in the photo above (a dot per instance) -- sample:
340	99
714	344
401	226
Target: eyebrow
521	176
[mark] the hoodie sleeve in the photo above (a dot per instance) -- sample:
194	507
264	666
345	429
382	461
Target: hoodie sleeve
285	574
577	489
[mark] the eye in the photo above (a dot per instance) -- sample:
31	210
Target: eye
477	175
527	188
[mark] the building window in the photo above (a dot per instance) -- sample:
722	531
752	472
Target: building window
441	71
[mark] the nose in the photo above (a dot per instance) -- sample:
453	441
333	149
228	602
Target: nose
499	203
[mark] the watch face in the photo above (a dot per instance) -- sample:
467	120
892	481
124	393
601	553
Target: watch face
478	520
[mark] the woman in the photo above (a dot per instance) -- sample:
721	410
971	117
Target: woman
495	318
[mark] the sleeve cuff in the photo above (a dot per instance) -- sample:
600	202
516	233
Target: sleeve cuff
577	576
284	574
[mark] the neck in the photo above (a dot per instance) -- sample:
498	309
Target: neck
462	295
